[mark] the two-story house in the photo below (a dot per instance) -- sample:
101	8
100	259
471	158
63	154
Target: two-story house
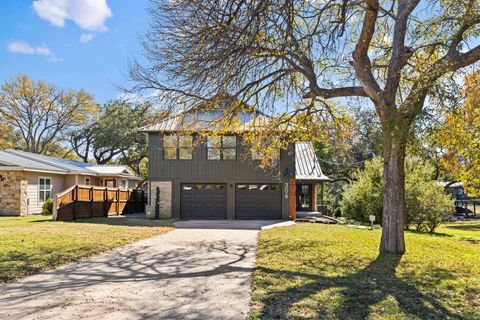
218	177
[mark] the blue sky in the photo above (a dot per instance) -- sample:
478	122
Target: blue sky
75	44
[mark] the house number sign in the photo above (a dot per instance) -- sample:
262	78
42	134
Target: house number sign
286	190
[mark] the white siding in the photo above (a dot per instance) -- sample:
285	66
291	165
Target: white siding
70	180
82	180
58	185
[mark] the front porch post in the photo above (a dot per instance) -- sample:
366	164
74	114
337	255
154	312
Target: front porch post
314	197
321	196
292	191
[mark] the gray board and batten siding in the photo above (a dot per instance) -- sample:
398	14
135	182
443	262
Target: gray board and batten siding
200	170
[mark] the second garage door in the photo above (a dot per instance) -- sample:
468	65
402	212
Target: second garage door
203	201
258	201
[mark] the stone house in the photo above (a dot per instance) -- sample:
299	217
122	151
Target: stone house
27	180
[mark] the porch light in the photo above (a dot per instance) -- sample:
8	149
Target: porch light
288	173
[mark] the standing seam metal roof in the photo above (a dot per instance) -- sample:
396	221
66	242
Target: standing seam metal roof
247	121
14	160
307	166
37	161
31	161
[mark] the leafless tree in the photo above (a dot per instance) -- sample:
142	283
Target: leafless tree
290	56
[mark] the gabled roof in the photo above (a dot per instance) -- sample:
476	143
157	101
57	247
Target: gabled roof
29	160
210	120
109	169
21	160
121	171
13	159
307	166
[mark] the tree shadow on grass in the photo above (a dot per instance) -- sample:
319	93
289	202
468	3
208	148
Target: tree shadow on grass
432	234
359	292
465	227
39	221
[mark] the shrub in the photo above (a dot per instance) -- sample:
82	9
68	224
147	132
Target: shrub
47	208
433	209
426	204
363	197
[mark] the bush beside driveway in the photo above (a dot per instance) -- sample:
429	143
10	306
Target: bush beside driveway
31	244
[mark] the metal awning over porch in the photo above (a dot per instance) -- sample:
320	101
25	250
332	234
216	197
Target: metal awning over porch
307	166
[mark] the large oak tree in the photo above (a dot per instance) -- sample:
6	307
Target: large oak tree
291	56
112	134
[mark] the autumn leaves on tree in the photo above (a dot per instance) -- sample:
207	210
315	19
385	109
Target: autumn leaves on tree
293	57
459	136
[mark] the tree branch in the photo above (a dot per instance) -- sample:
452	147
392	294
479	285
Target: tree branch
361	61
354	91
399	51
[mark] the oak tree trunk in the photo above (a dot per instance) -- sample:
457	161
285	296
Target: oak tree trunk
394	193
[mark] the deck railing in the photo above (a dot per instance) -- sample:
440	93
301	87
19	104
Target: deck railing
82	201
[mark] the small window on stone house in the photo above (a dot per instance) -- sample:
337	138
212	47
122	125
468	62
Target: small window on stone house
44	189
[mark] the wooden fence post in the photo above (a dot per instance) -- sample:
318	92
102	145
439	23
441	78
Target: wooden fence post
75	200
118	201
105	199
91	202
127	205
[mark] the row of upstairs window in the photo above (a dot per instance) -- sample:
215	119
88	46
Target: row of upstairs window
177	147
218	148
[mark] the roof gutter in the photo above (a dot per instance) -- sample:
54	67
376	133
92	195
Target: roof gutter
16	168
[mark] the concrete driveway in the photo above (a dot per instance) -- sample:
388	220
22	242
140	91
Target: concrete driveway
202	270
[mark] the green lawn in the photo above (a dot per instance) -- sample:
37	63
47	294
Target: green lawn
314	271
31	244
469	231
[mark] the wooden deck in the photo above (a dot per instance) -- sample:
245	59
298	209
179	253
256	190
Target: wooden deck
83	201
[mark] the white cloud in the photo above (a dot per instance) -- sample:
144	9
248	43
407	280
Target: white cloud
20	47
86	37
23	47
87	14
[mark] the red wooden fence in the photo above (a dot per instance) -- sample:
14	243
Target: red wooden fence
89	202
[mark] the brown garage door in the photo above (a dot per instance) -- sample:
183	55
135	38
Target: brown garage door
203	201
258	201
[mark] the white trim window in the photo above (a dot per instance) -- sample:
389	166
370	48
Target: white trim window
44	189
87	181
